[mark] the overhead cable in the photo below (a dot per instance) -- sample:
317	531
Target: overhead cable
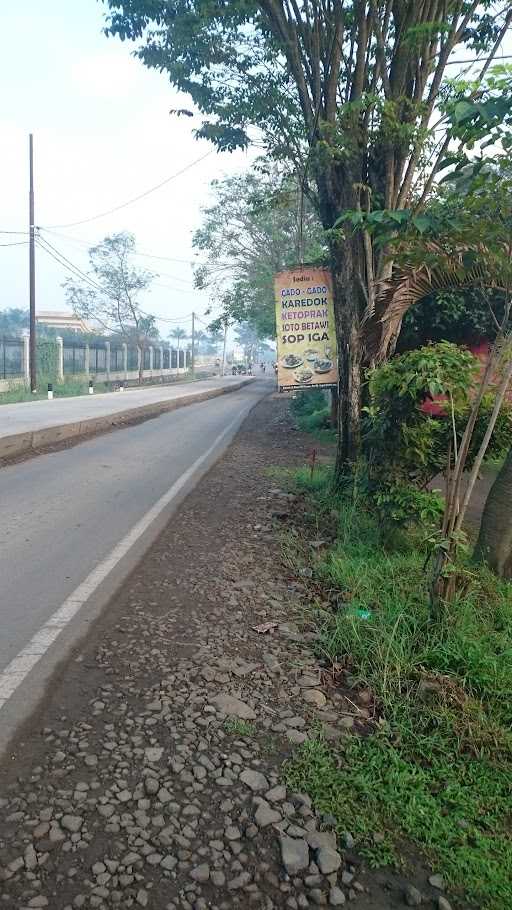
123	205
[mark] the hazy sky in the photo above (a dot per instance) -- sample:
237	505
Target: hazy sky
102	134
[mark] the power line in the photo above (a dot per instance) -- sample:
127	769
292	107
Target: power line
16	243
25	233
89	244
63	260
123	205
78	273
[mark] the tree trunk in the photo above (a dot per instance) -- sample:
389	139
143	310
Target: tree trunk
348	305
494	545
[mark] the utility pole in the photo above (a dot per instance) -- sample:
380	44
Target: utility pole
32	269
224	347
193	357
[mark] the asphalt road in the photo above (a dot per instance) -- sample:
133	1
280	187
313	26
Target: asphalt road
64	512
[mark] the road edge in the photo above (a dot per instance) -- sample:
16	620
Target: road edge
37	441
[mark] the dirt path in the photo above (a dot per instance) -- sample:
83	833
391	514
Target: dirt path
152	775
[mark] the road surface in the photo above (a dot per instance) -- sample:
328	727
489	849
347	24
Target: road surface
29	416
65	513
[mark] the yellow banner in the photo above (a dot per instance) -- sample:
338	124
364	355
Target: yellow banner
306	335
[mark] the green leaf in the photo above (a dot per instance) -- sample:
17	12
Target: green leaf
463	110
422	223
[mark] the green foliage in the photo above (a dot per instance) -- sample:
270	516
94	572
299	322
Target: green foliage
308	402
313	414
250	232
435	771
463	317
402	505
113	302
13	321
47	354
237	727
403	444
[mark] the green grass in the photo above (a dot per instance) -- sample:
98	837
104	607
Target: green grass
70	387
437	771
238	727
312	414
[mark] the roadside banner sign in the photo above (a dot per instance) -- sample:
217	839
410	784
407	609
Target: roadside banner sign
306	334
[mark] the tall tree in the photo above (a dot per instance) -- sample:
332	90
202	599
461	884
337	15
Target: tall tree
250	232
110	295
13	321
346	91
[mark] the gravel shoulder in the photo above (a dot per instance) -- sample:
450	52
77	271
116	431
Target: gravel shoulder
152	774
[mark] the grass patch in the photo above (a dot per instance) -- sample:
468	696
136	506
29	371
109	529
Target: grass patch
437	771
67	389
238	727
312	414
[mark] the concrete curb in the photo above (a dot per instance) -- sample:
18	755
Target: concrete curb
24	443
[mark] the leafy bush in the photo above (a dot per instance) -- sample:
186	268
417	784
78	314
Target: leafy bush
405	444
307	402
403	504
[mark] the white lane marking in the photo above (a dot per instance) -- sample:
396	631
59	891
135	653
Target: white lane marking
21	665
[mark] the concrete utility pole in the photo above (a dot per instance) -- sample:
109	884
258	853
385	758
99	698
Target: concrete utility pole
32	270
193	356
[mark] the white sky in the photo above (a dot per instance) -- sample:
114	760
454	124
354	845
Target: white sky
102	134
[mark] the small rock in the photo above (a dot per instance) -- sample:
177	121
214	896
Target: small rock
294	854
153	754
233	707
328	860
314	697
266	815
336	897
296	737
412	897
142	898
71	823
240	881
317	839
255	780
276	795
38	901
201	873
218	879
437	881
443	904
308	681
347	840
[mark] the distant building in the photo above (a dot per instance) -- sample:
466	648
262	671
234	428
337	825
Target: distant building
68	321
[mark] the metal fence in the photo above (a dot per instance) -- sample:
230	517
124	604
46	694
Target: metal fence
157	356
174	359
147	359
116	360
167	359
97	358
74	358
11	358
133	359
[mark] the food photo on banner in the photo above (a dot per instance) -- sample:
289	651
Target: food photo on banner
306	334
